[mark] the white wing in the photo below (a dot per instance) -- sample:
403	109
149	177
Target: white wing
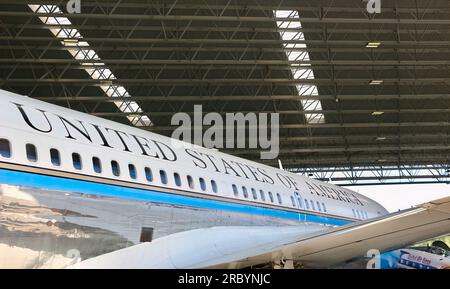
237	247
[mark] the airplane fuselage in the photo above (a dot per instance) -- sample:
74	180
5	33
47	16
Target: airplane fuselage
416	258
74	186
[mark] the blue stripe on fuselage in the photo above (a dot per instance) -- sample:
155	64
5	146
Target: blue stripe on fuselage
69	185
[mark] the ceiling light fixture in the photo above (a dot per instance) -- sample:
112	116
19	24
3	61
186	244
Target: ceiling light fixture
70	42
373	44
376	82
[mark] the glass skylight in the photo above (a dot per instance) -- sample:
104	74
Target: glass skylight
300	70
73	40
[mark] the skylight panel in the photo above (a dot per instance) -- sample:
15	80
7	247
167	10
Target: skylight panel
300	70
72	39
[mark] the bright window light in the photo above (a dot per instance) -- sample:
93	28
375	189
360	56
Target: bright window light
72	39
303	70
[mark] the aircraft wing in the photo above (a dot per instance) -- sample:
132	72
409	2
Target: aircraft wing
238	247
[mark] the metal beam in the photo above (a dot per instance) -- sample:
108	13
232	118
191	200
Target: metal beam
176	98
337	125
233	81
302	161
237	19
306	6
301	112
223	41
157	28
354	148
358	49
438	63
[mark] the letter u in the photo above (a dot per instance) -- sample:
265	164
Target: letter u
27	120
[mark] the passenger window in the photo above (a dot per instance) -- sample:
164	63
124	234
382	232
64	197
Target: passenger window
190	182
293	201
279	198
354	213
177	179
312	205
76	160
132	170
54	157
96	165
235	191
367	215
318	206
115	168
163	176
244	191
5	148
357	214
214	186
323	207
271	197
263	196
306	204
255	196
202	184
31	153
299	200
148	174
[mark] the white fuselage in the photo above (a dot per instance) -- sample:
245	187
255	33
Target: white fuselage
55	159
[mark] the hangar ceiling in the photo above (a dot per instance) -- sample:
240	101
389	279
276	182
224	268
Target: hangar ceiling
349	113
